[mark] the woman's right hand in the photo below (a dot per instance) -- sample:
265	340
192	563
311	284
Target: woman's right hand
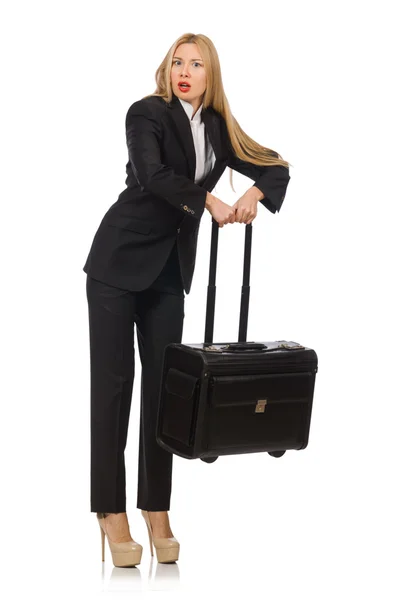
220	211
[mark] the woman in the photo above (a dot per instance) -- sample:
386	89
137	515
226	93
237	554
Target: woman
180	140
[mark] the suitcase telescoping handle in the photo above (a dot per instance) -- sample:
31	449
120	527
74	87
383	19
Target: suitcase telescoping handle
245	293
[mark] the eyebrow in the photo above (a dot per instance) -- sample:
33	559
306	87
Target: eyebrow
191	59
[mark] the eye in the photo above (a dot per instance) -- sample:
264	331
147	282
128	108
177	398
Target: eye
177	61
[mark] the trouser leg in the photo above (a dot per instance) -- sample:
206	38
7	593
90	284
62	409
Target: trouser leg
111	330
159	321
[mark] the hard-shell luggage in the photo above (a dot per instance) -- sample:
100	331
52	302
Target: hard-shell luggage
239	397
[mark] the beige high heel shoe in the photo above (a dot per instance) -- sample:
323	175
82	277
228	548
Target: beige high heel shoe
167	549
124	554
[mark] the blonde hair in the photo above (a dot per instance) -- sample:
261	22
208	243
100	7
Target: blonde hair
243	145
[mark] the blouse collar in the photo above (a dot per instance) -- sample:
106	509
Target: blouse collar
189	110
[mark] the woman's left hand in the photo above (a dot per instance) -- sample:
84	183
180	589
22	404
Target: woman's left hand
246	208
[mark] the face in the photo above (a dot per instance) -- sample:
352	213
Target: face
188	67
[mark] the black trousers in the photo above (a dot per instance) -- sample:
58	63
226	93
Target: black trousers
158	314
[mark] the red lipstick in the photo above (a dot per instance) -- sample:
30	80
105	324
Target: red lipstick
183	88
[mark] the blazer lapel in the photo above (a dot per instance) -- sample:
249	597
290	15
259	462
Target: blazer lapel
184	133
212	124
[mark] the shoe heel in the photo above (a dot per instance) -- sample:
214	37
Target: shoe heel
103	544
150	539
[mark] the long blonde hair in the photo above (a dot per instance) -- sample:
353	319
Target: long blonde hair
243	145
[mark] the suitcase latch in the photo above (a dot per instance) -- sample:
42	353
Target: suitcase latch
260	406
289	347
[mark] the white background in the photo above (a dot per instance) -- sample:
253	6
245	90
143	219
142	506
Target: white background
315	82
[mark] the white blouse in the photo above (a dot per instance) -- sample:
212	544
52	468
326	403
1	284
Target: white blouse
205	157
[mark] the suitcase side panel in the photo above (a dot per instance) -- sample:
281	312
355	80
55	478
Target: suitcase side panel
184	384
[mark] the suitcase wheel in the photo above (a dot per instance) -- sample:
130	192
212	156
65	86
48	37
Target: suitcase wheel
210	459
277	453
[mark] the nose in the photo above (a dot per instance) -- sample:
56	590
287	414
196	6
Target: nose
185	71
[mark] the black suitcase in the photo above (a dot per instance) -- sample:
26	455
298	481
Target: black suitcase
235	398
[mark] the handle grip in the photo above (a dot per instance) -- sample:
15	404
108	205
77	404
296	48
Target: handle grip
244	346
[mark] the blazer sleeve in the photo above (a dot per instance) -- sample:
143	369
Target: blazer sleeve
143	133
271	180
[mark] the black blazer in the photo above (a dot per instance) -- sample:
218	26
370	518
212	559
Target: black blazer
161	202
